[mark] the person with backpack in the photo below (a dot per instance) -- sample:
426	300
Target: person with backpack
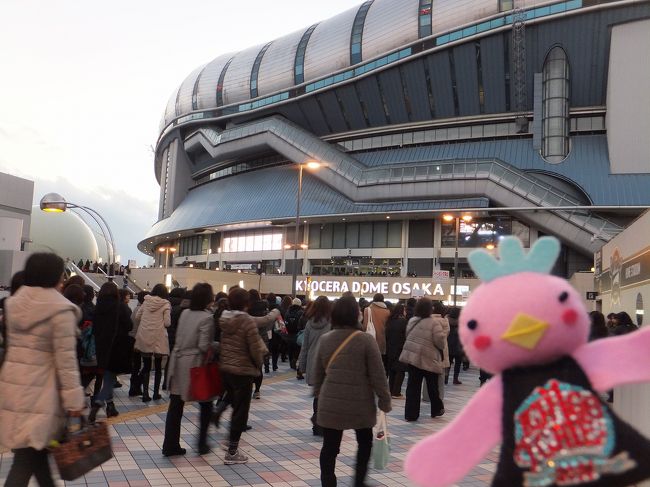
39	378
292	320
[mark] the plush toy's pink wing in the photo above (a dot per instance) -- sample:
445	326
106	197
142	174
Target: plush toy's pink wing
446	457
618	360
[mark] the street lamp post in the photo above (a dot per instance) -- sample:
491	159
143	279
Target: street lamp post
55	203
294	274
456	219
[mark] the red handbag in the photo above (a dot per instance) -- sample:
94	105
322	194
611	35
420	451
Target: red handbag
205	382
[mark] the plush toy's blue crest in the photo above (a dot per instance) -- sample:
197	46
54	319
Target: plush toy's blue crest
512	258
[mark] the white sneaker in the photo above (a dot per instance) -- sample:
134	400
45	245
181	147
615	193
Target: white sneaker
237	458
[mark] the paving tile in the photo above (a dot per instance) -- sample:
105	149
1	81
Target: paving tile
281	448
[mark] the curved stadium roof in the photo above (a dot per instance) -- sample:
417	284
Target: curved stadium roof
376	27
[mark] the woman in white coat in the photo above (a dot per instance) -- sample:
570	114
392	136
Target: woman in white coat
39	378
152	320
194	339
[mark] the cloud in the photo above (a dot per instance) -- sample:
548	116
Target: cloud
128	216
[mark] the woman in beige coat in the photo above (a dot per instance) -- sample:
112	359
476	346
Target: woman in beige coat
426	336
39	380
152	320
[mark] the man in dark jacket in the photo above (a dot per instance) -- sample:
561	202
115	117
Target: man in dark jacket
293	320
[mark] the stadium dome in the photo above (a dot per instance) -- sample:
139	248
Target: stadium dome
65	234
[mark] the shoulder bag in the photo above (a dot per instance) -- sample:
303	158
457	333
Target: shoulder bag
339	348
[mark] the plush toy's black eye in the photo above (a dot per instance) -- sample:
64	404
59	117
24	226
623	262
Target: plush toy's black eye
564	296
472	324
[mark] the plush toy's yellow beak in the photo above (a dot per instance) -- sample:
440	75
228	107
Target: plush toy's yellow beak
525	331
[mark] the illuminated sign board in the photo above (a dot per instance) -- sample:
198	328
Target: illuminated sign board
401	288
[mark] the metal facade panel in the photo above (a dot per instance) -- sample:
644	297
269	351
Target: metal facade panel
493	68
237	83
184	99
332	110
170	111
352	107
276	71
440	73
371	99
389	24
329	46
206	93
449	14
393	93
466	79
416	88
312	111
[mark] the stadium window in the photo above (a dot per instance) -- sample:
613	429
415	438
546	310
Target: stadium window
505	5
256	69
299	62
424	18
555	106
222	76
357	32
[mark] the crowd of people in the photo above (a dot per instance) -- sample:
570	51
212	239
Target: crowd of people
66	347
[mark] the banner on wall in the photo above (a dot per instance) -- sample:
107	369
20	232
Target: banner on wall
399	289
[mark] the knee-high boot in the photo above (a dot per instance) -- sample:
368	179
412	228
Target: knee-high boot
156	384
144	380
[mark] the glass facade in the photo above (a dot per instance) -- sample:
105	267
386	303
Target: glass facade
555	106
357	32
356	235
299	62
356	266
424	18
222	76
251	241
256	69
483	231
196	245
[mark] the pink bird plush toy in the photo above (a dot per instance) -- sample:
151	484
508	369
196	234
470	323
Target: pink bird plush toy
531	330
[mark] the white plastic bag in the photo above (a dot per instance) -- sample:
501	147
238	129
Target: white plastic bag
370	328
381	443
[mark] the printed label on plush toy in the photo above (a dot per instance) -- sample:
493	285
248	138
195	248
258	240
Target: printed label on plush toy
565	436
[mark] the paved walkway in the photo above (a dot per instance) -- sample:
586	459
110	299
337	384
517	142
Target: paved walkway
280	446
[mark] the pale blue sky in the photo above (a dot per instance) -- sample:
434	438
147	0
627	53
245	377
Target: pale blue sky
83	86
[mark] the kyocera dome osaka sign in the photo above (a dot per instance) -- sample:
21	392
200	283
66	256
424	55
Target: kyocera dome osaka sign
437	287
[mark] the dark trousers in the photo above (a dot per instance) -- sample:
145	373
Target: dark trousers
146	370
174	418
458	362
258	381
293	350
239	389
484	376
315	428
395	381
136	363
274	348
331	446
29	462
414	393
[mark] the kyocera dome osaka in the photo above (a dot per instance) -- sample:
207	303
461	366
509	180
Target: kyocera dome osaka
432	123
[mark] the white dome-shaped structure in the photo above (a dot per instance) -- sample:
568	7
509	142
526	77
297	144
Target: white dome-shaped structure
65	234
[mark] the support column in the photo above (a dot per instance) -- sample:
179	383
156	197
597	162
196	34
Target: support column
405	248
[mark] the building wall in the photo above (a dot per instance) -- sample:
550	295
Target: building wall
628	98
627	257
16	196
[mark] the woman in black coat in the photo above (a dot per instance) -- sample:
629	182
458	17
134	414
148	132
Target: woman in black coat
395	338
454	345
111	327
